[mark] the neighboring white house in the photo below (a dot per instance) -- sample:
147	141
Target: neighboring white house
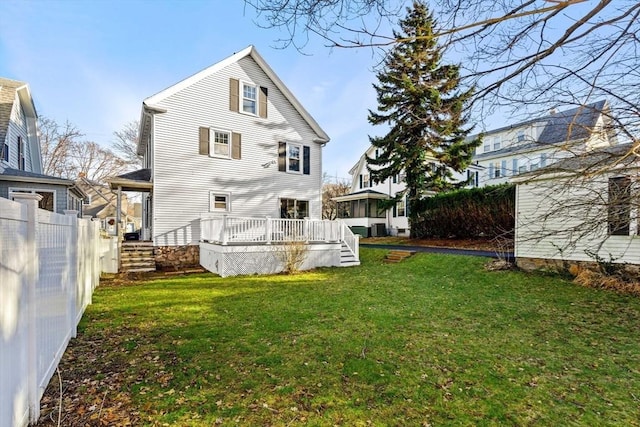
231	140
532	144
583	208
361	208
21	157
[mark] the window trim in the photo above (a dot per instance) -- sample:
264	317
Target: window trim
307	201
212	143
241	98
22	164
6	149
213	194
34	190
300	158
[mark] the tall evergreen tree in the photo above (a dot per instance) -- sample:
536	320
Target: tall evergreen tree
420	99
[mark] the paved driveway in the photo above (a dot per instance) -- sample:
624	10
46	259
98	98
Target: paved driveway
438	250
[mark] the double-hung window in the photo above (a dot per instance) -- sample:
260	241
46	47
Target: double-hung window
5	152
221	143
619	206
294	209
496	143
219	202
249	98
21	161
294	158
294	152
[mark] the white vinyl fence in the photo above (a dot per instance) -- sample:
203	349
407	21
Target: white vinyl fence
49	267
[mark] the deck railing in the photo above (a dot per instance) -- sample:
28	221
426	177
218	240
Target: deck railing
227	229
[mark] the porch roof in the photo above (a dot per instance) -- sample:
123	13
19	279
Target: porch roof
139	180
362	195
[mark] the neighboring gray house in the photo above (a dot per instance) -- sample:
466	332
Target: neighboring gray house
230	141
536	143
20	156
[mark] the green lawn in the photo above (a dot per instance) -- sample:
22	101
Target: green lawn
434	340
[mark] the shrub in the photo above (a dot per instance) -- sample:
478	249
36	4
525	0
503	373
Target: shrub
292	255
467	213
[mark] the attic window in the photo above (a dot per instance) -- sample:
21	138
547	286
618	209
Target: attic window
520	135
249	98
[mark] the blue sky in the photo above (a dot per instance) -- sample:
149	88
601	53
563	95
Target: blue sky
93	62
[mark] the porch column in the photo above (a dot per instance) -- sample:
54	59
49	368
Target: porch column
118	217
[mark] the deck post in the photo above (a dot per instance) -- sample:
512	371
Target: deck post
223	230
306	230
268	230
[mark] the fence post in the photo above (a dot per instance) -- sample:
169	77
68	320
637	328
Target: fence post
74	261
30	280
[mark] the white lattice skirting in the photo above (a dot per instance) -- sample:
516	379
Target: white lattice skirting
235	260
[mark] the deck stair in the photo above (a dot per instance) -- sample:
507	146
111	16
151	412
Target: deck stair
347	257
137	257
396	256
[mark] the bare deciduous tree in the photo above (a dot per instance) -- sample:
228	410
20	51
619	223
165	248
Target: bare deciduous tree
126	143
330	189
66	155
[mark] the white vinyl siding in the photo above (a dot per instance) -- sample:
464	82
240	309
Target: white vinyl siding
550	215
183	179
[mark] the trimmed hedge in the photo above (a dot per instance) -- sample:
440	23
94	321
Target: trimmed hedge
467	213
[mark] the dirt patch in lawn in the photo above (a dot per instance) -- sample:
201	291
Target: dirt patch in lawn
477	244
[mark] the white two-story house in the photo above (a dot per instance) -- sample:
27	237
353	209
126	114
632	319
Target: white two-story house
363	208
233	142
526	146
21	157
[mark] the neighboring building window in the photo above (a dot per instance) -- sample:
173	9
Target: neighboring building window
487	147
293	157
249	98
365	181
533	166
21	162
522	169
497	172
543	160
221	143
401	208
520	135
619	206
5	151
294	209
219	202
496	143
87	201
48	201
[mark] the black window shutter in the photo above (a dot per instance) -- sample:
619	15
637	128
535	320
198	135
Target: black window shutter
282	156
395	179
306	160
360	181
395	211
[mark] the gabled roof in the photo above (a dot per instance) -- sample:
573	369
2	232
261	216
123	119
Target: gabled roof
8	89
150	104
571	125
590	163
